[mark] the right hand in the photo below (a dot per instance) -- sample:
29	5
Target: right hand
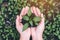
37	32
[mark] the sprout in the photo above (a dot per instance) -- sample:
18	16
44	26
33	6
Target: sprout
31	20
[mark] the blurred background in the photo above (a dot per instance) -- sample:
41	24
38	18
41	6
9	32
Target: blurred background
10	8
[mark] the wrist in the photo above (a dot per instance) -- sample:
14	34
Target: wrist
39	38
24	38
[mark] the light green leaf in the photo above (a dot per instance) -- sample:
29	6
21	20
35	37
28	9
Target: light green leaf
36	23
26	18
36	19
59	36
25	26
29	13
1	1
31	23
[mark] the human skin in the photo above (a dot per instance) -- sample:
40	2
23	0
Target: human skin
25	35
35	32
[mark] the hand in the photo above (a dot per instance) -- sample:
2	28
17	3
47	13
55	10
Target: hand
25	35
37	31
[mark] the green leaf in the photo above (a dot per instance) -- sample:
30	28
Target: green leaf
36	19
1	1
57	32
59	36
36	23
26	18
31	23
25	26
29	13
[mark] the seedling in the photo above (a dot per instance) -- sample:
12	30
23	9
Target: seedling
30	20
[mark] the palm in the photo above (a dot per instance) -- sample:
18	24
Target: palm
37	31
19	25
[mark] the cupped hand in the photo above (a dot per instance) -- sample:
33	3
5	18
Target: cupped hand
25	35
37	32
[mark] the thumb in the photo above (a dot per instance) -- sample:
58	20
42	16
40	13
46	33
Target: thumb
41	25
18	24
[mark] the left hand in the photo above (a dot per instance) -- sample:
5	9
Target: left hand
25	35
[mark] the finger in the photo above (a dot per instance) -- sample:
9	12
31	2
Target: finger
41	24
38	11
21	27
18	24
34	11
42	19
20	18
24	11
17	21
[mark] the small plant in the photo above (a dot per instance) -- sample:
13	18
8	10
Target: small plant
30	20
